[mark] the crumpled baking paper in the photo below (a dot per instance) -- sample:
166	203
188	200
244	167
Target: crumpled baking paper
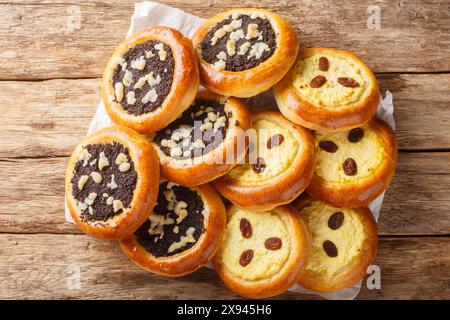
148	14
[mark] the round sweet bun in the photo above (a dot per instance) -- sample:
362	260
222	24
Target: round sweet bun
328	90
207	159
263	253
278	170
357	172
125	184
191	259
245	72
344	245
164	79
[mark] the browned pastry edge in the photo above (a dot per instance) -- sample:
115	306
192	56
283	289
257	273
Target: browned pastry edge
357	269
361	193
290	272
298	109
193	258
145	193
252	81
184	84
281	189
205	168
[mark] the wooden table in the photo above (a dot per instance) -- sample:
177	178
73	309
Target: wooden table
50	67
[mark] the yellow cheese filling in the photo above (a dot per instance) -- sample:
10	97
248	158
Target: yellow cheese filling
277	159
368	154
332	94
348	238
265	263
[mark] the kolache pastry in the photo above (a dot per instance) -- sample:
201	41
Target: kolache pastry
263	253
279	165
355	166
181	234
344	244
151	79
207	140
244	52
112	182
328	90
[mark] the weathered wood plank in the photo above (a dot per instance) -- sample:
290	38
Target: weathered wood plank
417	203
43	40
48	118
43	266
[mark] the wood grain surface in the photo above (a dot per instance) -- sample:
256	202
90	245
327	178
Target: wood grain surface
43	265
50	69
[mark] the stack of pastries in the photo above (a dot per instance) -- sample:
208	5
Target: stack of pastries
296	182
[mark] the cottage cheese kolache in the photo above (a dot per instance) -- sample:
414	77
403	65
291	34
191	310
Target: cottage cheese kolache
344	243
354	167
328	90
263	253
278	167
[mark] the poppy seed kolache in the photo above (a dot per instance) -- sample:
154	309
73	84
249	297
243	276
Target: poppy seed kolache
243	52
181	234
344	244
112	182
207	141
151	78
263	253
279	165
355	166
328	90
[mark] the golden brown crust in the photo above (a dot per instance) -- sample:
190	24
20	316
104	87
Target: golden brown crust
290	272
361	193
145	193
357	269
298	109
249	82
189	260
282	189
205	168
184	84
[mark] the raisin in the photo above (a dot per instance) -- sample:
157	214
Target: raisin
318	81
273	243
355	135
246	257
275	141
335	221
330	248
350	167
348	82
328	146
246	228
324	64
259	166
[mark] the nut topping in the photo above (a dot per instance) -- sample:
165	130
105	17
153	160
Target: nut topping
97	177
117	205
82	182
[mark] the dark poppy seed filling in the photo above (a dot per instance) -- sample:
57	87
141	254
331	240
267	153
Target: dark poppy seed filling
176	223
249	46
198	131
103	181
143	78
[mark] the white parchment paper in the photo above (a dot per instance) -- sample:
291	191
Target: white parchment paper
148	14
